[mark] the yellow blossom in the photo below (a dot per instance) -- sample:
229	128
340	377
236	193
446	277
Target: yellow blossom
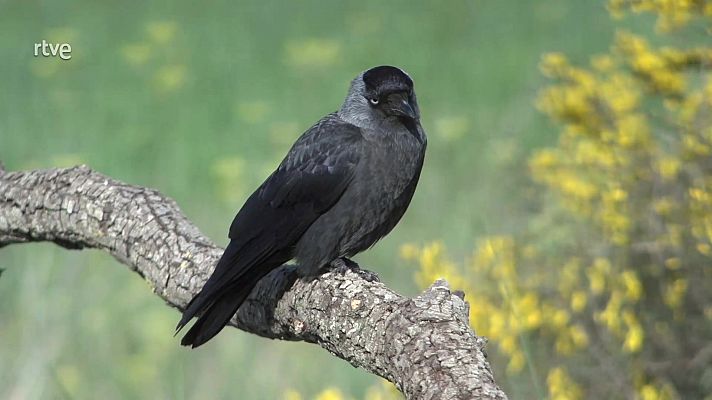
610	316
313	52
663	205
330	394
650	392
633	287
516	362
668	167
560	318
602	63
597	274
675	293
673	263
579	337
634	336
561	386
553	64
409	251
578	300
161	32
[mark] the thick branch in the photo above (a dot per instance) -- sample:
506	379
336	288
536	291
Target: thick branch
424	345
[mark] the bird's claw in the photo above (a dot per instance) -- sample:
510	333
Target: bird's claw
343	264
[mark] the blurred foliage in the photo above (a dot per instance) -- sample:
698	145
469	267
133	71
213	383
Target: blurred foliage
608	293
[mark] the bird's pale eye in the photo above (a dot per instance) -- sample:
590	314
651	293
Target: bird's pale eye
373	100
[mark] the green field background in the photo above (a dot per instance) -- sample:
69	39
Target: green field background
200	100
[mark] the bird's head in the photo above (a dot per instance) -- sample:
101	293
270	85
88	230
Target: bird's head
381	94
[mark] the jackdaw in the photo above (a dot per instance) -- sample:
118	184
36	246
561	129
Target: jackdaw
344	184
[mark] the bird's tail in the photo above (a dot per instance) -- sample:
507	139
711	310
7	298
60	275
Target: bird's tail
215	316
217	302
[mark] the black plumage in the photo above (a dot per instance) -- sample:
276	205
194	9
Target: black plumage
343	185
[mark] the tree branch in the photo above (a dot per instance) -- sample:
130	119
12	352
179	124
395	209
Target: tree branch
424	345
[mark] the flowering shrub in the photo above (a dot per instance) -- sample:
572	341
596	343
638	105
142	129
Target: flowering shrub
609	291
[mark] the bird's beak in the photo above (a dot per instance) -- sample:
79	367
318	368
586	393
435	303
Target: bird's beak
400	106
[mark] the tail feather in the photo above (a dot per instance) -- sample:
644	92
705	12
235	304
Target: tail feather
215	317
216	310
190	310
236	274
213	288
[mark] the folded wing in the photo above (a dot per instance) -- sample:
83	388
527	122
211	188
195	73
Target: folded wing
308	182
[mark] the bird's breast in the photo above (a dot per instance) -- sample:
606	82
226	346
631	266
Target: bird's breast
379	193
388	168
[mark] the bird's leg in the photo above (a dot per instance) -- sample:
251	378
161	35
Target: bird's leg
343	264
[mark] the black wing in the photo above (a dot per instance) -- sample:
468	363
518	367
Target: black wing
312	177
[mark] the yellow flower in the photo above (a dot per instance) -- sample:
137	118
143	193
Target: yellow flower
161	32
560	318
516	362
563	345
496	325
602	63
576	187
675	293
663	206
542	161
527	308
633	131
610	316
673	263
383	391
170	77
597	274
434	265
553	64
634	336
633	287
595	153
561	386
509	344
330	394
650	392
409	251
579	337
312	52
578	300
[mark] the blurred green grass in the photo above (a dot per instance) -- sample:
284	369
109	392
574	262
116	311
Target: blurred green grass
200	102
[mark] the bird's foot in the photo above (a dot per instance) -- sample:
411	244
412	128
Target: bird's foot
343	264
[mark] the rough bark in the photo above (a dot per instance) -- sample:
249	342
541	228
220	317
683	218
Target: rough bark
424	344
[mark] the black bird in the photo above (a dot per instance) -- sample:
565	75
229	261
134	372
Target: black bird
344	185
